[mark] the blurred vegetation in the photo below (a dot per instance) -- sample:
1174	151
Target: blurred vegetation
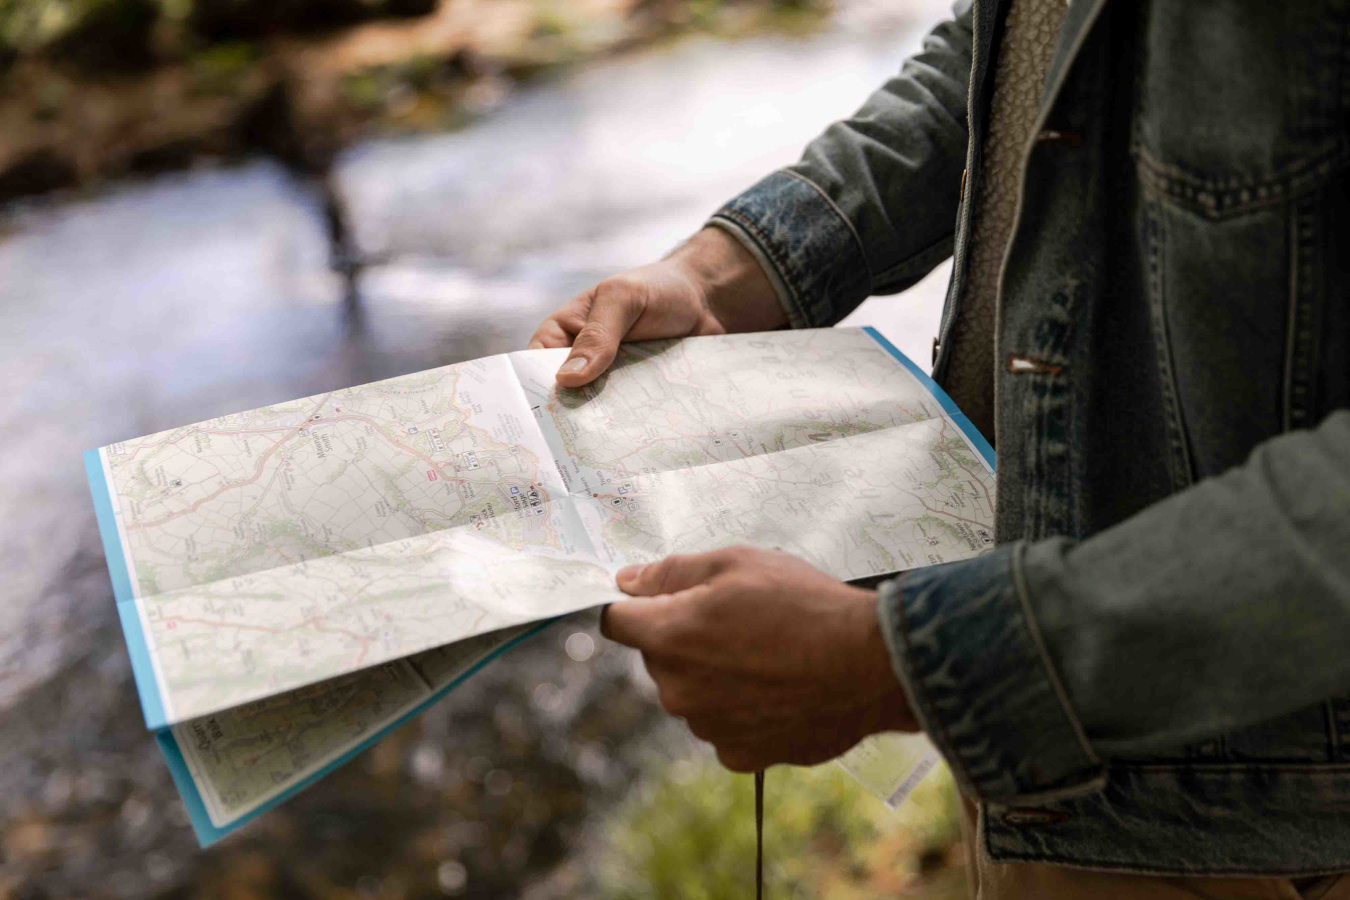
123	35
689	834
94	89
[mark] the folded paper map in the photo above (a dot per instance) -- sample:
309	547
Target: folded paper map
294	581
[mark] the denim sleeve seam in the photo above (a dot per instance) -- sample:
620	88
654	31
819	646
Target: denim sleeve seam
1048	666
912	682
829	201
1058	858
924	258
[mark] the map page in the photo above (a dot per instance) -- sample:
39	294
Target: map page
280	547
819	442
234	764
296	579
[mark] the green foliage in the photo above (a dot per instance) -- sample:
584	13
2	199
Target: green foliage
27	24
363	89
97	34
689	833
550	19
704	13
218	67
110	36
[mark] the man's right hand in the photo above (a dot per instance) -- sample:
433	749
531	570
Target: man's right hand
709	285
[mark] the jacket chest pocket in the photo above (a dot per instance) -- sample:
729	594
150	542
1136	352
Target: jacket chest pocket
1240	100
1238	127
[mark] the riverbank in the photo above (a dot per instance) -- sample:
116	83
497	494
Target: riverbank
81	109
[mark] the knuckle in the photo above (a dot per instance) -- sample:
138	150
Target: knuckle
739	582
663	565
570	317
593	332
615	287
664	571
620	288
735	555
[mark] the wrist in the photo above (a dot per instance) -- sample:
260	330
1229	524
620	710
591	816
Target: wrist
735	288
888	705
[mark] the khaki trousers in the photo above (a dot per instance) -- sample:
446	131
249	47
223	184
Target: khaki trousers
991	880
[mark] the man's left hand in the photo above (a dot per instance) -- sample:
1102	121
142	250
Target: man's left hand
766	657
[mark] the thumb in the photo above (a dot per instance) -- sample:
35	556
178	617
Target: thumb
677	572
613	310
632	622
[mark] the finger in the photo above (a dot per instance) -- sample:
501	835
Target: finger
674	573
560	328
739	759
612	312
634	623
549	334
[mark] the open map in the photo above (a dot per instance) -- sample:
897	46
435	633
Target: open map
295	578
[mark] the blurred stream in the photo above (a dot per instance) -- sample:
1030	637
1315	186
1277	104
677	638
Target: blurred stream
156	303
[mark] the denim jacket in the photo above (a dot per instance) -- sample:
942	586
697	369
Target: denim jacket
1151	671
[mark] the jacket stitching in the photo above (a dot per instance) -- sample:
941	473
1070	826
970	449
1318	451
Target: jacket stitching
840	213
955	758
941	248
1029	623
1291	326
1302	346
1079	862
1333	731
1237	182
1222	198
1177	445
1234	768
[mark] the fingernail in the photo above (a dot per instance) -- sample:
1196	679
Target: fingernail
573	365
628	574
535	345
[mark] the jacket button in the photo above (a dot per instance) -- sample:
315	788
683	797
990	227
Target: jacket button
1019	816
1050	136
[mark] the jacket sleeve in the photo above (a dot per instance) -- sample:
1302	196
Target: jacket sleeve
1222	606
871	205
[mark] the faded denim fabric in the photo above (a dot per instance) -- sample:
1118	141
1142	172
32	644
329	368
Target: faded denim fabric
1150	671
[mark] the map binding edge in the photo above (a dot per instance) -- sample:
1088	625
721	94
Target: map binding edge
977	440
128	610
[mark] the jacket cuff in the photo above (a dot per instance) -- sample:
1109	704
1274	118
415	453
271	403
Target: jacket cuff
968	652
811	247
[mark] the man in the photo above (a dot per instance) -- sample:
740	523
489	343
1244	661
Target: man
1145	685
